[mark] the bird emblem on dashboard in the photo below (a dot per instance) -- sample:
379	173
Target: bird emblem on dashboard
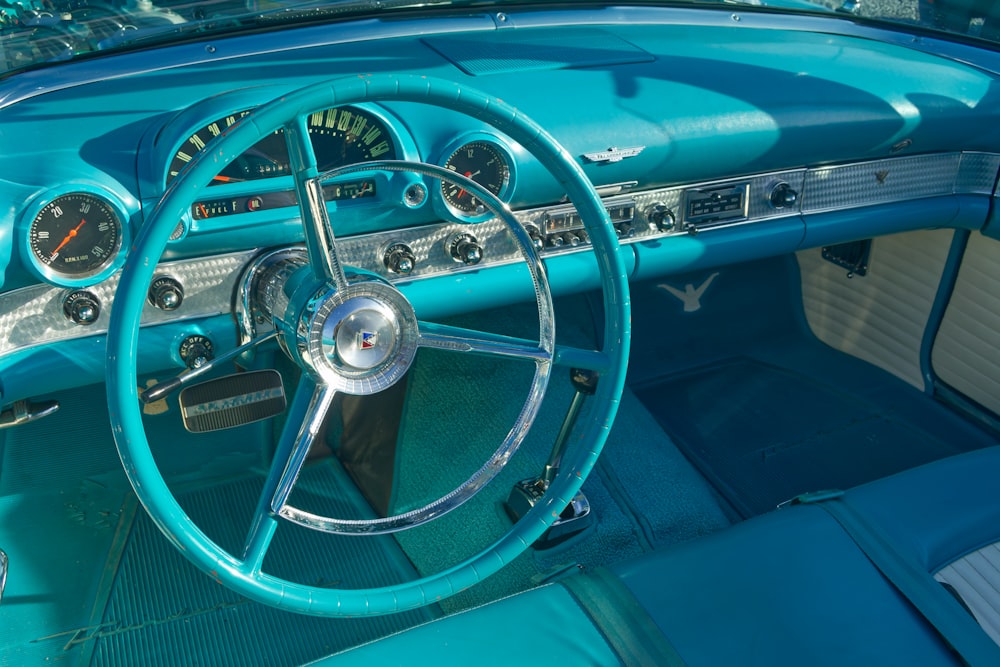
690	296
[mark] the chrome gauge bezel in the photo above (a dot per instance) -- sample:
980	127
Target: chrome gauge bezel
32	217
447	209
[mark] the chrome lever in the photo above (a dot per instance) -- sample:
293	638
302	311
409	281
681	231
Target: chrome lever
24	411
528	492
3	572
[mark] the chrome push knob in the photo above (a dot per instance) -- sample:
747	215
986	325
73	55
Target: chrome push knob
466	249
166	294
82	307
399	258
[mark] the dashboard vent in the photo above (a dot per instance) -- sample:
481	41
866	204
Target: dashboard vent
519	51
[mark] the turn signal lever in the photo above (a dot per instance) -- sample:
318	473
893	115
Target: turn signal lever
528	492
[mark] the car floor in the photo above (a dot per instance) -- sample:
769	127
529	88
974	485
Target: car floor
732	406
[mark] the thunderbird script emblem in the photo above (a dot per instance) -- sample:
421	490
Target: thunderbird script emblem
613	154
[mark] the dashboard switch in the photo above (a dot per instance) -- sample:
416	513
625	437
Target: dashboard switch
465	248
82	307
166	293
399	258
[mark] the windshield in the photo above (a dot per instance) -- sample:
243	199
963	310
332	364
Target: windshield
37	32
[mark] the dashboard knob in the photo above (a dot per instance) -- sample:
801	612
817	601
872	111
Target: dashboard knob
660	218
624	230
166	293
82	307
466	249
536	237
572	240
783	196
196	351
399	258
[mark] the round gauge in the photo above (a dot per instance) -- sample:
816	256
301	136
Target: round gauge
484	163
235	171
340	136
75	235
346	135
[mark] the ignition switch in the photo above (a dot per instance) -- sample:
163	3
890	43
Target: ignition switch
196	351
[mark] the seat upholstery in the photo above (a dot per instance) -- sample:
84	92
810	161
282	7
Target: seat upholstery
787	588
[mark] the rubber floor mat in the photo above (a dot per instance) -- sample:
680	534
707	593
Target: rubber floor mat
163	611
763	434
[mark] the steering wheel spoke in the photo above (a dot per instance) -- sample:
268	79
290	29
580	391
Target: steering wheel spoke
320	242
459	339
303	423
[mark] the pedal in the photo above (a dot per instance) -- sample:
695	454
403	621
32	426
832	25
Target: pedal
231	401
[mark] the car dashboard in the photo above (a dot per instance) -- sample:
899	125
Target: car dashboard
783	217
711	137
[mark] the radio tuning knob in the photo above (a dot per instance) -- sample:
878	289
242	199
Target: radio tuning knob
466	249
82	307
399	258
166	293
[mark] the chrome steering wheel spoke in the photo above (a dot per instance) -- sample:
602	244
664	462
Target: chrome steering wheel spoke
320	242
459	339
304	421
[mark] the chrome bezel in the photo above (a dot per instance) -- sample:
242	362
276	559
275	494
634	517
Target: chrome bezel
446	209
111	263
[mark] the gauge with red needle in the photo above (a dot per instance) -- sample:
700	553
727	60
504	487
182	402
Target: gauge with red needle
482	162
75	235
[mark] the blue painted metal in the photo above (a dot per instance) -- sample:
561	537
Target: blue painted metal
948	278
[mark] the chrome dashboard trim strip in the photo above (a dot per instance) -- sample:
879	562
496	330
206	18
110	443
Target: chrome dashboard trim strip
34	315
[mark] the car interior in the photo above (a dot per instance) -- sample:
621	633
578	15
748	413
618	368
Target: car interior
468	333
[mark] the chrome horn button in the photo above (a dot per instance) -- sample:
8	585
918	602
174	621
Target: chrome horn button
363	339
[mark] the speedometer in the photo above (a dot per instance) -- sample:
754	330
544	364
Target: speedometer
342	135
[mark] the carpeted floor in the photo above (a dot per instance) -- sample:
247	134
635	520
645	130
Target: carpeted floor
763	409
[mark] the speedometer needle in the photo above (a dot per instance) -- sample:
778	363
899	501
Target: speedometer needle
69	237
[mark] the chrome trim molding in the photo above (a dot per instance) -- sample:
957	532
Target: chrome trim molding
33	316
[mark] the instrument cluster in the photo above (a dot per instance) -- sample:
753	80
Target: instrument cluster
77	235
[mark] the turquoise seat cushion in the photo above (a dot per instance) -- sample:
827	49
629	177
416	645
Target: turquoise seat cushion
786	588
937	513
544	626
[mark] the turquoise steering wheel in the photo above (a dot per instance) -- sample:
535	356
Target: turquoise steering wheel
243	573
